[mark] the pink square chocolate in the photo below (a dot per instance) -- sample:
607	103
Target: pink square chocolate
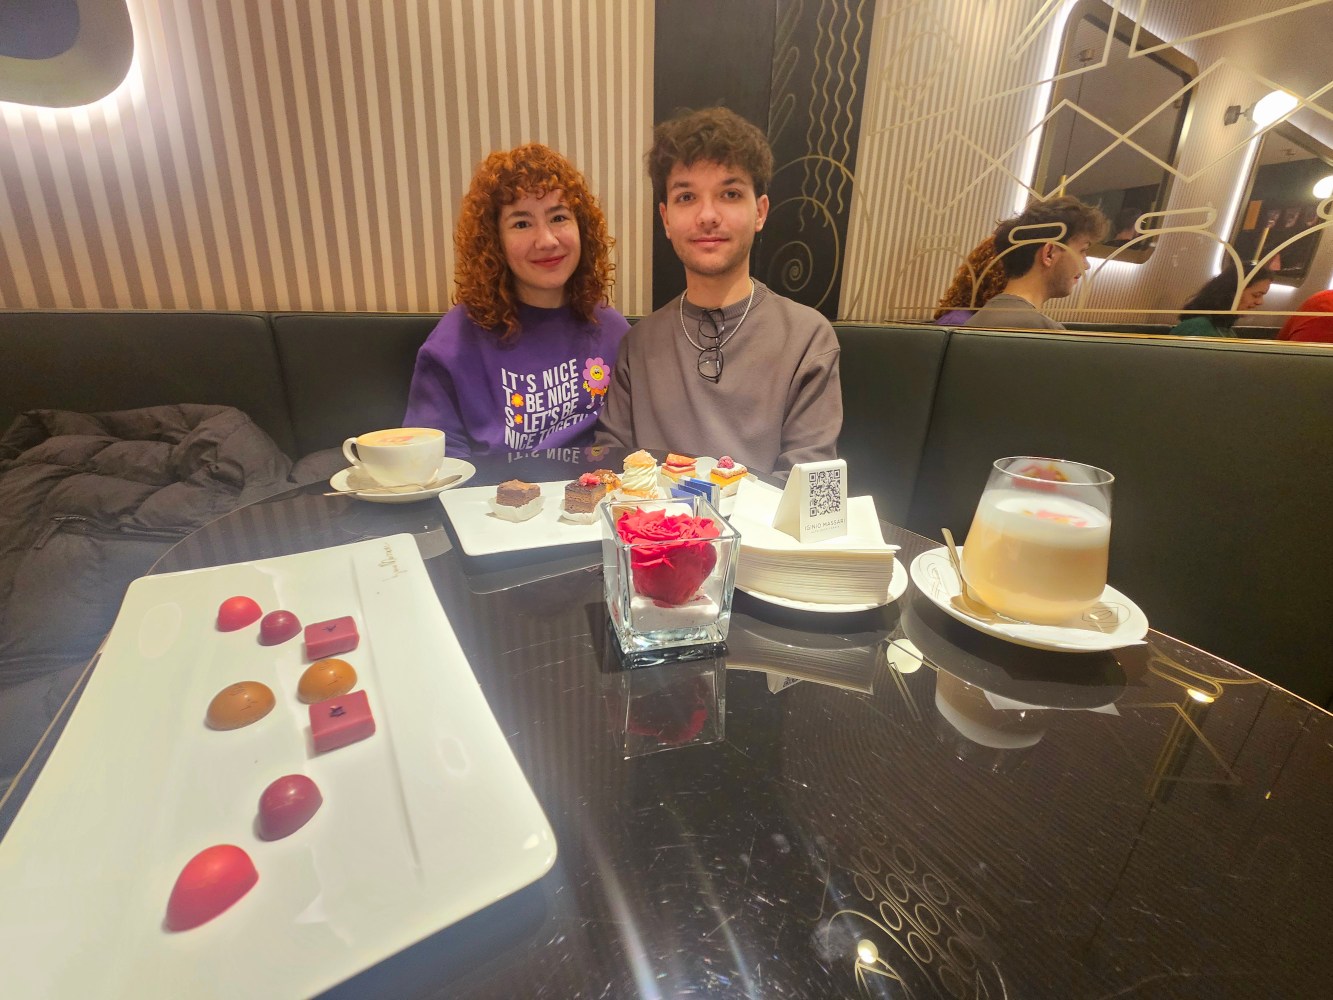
336	722
337	635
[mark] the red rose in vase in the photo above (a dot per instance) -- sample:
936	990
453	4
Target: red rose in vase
672	554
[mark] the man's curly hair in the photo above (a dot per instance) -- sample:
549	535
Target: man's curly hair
709	135
1060	220
485	285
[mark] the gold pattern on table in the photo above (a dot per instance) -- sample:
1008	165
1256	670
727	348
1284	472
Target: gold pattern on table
919	925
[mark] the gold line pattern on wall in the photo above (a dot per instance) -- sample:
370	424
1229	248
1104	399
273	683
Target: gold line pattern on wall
287	155
953	90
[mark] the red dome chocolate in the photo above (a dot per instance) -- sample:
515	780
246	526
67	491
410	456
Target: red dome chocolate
208	885
236	613
278	626
286	805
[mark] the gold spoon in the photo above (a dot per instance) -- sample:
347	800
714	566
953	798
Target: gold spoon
965	601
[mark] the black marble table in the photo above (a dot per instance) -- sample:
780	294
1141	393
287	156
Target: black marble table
836	808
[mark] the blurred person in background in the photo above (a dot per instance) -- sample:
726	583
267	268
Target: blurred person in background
1311	329
978	279
1208	313
1124	227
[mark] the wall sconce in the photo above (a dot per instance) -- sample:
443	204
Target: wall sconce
43	64
1264	111
1323	188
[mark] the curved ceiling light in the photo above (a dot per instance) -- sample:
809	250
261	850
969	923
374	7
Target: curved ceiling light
63	53
1323	188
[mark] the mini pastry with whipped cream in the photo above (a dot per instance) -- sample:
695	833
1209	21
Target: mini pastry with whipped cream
678	467
582	497
639	480
516	500
728	474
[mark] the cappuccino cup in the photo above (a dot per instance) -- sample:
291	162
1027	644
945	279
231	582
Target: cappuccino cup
399	456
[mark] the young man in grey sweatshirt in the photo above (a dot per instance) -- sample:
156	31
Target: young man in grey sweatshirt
729	367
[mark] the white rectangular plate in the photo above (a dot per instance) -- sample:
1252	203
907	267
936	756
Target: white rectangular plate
425	822
481	533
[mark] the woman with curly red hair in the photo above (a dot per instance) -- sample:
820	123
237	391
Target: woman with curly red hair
978	279
523	361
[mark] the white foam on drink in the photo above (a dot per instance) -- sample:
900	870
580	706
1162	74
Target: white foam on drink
1044	518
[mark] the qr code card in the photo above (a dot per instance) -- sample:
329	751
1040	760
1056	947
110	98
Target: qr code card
814	504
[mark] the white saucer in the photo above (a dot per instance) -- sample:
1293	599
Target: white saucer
897	587
352	479
1112	623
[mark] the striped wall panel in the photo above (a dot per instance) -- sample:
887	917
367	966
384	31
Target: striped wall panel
294	155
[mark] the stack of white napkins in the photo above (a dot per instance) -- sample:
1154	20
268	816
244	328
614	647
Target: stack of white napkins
853	569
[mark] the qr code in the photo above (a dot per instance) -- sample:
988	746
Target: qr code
825	492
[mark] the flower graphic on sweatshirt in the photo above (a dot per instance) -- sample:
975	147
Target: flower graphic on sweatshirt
597	377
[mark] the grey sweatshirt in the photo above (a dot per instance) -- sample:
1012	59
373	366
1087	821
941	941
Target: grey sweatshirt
1009	312
778	402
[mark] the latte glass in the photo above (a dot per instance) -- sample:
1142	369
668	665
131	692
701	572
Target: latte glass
1038	544
398	456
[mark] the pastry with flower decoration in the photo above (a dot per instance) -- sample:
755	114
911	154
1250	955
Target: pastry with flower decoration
639	480
582	497
678	467
728	474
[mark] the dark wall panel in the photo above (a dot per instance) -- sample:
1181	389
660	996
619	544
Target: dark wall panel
707	53
797	70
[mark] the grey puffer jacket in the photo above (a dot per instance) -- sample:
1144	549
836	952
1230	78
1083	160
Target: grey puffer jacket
88	502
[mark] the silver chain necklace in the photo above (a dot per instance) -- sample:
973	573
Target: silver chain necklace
685	330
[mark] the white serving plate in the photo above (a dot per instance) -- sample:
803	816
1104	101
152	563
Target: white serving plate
1112	623
425	822
481	533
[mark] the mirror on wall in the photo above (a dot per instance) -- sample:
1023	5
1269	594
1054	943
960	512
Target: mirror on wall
1281	206
1116	117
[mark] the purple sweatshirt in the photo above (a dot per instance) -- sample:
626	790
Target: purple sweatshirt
545	390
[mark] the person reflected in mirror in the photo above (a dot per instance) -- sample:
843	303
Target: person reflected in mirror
1123	228
1045	254
1209	313
728	367
978	279
1311	329
524	359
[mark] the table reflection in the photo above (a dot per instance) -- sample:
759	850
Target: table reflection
667	707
